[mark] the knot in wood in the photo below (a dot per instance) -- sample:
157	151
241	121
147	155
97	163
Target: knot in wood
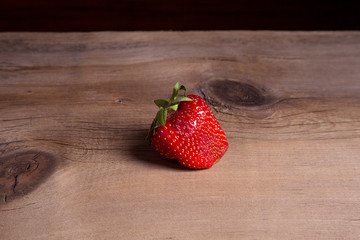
21	173
237	93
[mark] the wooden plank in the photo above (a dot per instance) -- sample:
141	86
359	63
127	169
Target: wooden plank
75	108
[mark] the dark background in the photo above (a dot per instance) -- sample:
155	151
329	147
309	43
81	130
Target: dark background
130	15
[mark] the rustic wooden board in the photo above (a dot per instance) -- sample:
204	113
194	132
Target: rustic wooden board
75	108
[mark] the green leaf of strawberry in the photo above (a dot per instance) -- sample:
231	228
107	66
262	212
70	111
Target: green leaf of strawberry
161	103
185	129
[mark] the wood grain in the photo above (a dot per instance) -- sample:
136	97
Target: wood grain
75	109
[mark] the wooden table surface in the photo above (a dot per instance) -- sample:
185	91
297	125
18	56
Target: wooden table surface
75	109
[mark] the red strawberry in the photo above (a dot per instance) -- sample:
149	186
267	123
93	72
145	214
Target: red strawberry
185	129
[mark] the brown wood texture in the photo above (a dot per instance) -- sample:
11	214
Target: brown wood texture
75	109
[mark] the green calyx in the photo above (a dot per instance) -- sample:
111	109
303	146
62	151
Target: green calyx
166	107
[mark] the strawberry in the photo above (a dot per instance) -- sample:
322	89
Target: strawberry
185	129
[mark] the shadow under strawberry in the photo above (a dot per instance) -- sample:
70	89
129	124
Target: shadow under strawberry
143	152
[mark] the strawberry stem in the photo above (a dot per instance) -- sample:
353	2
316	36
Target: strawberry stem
165	107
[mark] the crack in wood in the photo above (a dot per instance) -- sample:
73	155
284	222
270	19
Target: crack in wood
15	183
